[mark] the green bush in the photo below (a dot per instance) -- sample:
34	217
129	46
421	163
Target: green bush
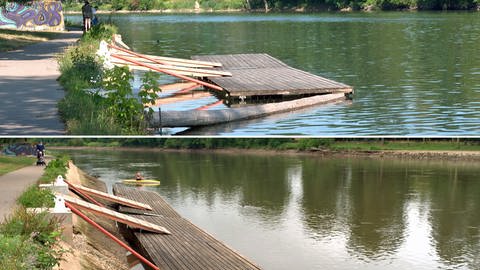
99	101
55	168
17	253
28	241
142	4
119	4
34	197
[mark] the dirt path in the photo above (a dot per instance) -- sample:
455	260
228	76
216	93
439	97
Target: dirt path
29	91
13	184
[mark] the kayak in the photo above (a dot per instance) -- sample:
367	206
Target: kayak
141	182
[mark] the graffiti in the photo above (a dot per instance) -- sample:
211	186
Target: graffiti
41	15
21	149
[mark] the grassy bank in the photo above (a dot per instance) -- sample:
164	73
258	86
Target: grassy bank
30	240
299	144
9	164
14	39
100	101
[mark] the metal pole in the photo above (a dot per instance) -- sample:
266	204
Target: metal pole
100	228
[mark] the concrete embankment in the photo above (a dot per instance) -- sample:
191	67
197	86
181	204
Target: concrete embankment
91	249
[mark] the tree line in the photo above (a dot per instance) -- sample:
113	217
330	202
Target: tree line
265	143
280	5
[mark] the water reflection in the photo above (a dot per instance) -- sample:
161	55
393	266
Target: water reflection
310	212
413	73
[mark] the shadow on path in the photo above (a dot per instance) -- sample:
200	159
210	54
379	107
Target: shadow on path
29	92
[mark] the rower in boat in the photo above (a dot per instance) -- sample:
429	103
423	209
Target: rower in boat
138	176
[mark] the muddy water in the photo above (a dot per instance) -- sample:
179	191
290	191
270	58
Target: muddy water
292	212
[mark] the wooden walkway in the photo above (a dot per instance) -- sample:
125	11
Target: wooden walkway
187	247
261	75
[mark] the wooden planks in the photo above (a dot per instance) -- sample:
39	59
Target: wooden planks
125	219
188	247
159	206
112	198
261	74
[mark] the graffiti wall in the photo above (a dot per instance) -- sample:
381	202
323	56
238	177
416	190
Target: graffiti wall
38	15
21	149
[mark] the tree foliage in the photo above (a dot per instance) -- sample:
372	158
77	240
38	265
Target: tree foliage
283	5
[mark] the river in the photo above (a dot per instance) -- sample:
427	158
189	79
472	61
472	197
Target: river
414	73
311	212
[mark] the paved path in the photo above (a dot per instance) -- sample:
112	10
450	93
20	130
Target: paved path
29	91
13	184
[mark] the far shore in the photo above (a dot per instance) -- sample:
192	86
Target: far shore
411	154
254	11
169	11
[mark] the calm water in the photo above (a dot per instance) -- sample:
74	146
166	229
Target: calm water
290	212
413	73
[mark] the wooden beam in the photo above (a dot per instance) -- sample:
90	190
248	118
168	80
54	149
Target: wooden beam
209	85
113	198
122	218
175	67
178	98
194	72
175	61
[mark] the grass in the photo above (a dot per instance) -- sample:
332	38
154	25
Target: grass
14	39
54	168
9	164
29	240
34	197
446	145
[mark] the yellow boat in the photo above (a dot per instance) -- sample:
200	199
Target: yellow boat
144	182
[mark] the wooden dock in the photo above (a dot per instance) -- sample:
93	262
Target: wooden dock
262	74
187	247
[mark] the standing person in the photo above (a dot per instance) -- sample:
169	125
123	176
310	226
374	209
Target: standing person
87	14
94	15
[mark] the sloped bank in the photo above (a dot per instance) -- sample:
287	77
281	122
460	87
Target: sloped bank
91	249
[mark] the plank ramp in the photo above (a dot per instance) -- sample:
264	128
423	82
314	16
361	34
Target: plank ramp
262	74
112	198
188	247
122	218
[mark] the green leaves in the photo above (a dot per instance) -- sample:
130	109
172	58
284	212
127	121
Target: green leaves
149	89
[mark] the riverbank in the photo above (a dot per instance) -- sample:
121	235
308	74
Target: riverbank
115	111
472	155
92	249
362	6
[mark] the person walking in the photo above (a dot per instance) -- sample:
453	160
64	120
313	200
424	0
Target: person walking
87	14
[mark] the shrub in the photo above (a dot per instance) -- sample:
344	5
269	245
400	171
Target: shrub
101	101
17	253
119	4
54	168
34	197
28	241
